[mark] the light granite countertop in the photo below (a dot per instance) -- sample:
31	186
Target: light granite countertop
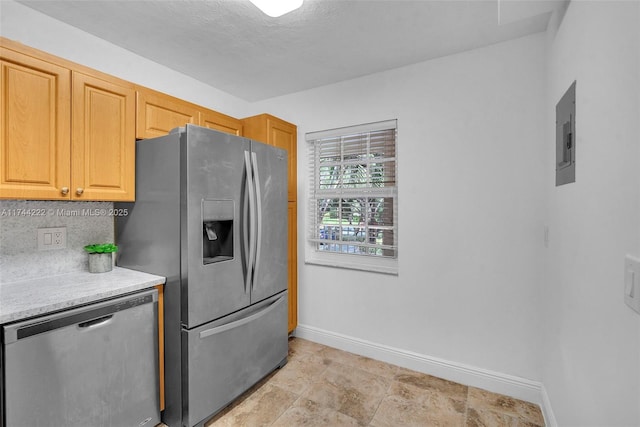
29	298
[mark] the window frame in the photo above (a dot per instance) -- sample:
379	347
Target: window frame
357	261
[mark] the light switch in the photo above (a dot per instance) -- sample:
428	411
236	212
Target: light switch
632	282
629	283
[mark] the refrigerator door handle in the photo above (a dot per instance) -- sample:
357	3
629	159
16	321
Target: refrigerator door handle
252	215
236	323
245	237
258	234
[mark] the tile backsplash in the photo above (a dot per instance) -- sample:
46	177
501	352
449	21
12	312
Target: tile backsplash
86	223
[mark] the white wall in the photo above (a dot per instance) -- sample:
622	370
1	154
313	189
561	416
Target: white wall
471	203
591	357
32	28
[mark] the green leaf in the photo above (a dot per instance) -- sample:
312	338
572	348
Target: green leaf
101	248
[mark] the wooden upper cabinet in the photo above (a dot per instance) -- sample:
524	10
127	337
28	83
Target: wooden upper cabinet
157	113
67	132
218	121
279	133
103	139
285	135
35	112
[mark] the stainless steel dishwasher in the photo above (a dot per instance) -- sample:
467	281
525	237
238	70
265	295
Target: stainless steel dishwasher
95	365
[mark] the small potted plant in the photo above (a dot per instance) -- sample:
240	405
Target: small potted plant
100	257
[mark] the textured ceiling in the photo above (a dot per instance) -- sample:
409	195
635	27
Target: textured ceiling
231	45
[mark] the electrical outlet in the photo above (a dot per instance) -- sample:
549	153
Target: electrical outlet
52	238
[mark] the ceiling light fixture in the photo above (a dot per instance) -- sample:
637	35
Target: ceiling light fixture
275	8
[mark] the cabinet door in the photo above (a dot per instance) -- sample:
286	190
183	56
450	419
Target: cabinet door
35	139
285	135
218	121
157	114
293	266
103	140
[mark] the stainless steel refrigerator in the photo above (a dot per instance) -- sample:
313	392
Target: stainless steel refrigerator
211	216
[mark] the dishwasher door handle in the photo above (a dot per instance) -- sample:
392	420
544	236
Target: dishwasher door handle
81	317
95	322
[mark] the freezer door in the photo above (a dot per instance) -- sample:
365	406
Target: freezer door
270	267
214	239
225	358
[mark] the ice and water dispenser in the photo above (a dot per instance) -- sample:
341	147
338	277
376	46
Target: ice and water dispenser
217	230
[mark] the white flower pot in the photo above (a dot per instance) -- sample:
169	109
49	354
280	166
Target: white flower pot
100	263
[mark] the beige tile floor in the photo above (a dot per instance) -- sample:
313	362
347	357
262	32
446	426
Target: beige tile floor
323	386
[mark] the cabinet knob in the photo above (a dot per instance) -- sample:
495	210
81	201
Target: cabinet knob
79	191
64	191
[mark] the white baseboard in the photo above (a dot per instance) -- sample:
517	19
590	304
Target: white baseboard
517	387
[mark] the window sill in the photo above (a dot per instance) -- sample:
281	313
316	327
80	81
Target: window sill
353	262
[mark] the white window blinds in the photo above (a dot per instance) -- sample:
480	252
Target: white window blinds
353	190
